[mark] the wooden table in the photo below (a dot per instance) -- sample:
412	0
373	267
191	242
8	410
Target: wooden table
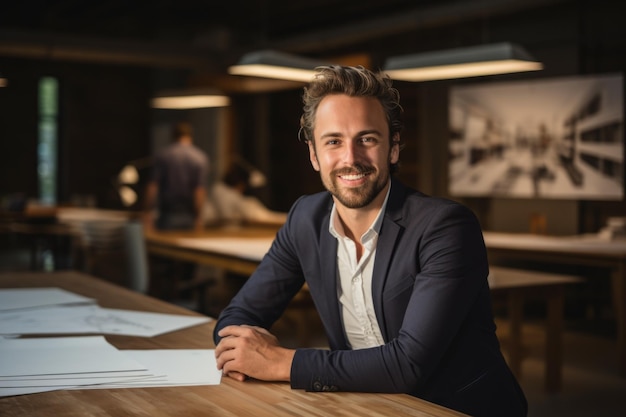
58	238
233	249
585	250
58	229
230	398
517	285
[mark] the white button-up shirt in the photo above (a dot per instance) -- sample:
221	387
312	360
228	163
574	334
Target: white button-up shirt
354	287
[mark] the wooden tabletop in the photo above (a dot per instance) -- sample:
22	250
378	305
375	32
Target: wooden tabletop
591	245
179	245
507	278
230	398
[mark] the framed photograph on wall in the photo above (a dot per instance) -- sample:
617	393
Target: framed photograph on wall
560	138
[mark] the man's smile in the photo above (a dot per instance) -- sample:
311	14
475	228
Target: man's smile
353	177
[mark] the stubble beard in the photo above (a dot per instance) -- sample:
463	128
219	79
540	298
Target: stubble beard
356	197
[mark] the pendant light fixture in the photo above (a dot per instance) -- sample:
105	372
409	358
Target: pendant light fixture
491	59
277	65
189	99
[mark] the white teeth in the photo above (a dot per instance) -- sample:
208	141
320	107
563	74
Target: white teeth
352	177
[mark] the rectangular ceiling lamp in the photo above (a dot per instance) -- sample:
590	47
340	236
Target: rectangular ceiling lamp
277	65
499	58
189	99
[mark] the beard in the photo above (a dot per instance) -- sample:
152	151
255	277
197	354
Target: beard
361	196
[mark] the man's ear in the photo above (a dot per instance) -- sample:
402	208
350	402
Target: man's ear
394	155
313	156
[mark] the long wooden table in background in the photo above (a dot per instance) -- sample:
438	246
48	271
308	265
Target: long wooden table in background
205	248
230	398
584	250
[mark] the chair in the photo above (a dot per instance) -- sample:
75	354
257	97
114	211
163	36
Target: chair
104	249
136	257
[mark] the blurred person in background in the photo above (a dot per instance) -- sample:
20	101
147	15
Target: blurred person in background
178	188
175	198
230	201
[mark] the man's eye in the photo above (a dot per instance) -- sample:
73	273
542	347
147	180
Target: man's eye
332	142
368	139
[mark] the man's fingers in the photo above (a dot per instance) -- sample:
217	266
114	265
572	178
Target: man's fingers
234	330
238	376
257	329
222	347
225	356
226	363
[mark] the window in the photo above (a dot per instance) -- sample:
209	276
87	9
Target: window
47	141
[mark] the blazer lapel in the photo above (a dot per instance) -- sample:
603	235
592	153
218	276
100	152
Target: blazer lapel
385	247
328	302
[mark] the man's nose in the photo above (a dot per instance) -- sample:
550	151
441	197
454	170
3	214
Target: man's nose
351	153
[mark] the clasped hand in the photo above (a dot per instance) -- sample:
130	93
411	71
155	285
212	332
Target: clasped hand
249	351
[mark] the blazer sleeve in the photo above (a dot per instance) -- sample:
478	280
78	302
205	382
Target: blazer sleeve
449	257
264	297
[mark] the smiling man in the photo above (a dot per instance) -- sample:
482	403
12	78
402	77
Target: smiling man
399	278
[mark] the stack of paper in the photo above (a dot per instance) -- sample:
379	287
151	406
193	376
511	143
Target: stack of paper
45	364
173	367
32	365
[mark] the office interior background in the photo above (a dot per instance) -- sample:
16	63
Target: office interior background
108	59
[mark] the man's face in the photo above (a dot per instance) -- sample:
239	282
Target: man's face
352	151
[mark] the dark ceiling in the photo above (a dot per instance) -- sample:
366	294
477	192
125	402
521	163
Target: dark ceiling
243	22
220	27
210	35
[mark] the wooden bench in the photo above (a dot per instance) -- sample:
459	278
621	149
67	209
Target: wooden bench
517	285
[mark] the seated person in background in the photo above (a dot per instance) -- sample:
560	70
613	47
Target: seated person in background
399	279
229	203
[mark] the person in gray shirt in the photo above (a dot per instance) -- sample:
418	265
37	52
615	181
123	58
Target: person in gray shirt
177	190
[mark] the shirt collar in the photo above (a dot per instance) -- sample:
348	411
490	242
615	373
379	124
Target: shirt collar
335	227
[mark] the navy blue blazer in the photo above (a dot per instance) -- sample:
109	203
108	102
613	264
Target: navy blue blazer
431	300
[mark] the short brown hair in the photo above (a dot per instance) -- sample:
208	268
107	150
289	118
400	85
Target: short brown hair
354	82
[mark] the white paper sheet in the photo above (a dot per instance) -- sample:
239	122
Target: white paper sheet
93	319
167	367
29	366
51	381
62	356
8	392
178	367
22	298
82	375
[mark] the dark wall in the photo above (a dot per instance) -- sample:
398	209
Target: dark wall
18	129
291	171
104	122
